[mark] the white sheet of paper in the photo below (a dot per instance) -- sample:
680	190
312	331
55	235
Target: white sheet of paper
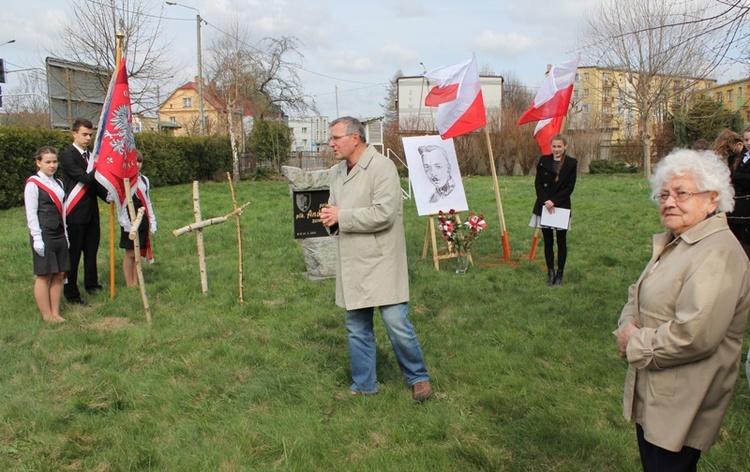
559	219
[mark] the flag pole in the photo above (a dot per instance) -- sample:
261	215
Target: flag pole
118	55
534	242
501	216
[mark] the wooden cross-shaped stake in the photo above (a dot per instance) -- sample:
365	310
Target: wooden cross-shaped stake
198	227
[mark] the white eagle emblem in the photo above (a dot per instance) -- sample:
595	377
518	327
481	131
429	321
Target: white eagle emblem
121	137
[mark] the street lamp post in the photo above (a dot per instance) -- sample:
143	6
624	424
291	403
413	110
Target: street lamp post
198	20
158	104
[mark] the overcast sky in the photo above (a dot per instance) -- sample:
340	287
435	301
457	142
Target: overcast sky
353	46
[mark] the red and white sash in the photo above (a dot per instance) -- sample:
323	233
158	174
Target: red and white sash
39	183
145	251
78	191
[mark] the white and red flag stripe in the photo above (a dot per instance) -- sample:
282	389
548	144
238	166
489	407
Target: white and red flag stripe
458	96
553	97
545	130
114	148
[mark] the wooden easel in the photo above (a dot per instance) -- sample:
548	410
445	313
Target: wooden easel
445	252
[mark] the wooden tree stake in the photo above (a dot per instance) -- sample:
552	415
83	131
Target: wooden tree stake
239	239
137	246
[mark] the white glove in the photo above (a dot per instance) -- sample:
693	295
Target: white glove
110	198
153	227
39	247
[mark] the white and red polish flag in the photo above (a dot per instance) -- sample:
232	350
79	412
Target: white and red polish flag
545	130
553	98
114	148
458	96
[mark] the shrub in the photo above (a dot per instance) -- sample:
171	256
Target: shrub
611	167
168	160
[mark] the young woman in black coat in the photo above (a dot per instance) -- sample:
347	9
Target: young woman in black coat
739	166
554	183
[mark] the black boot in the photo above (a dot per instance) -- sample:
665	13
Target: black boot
551	276
558	277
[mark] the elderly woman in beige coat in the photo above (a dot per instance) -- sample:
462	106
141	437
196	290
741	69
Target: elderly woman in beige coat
682	328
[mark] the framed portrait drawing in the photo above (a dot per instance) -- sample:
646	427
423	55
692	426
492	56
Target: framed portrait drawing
434	174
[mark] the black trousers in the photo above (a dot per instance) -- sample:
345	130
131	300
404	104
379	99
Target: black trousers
84	239
657	459
549	248
742	233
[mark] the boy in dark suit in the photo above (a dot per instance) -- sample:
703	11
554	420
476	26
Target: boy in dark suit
81	190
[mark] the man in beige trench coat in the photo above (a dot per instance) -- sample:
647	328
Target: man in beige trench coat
366	210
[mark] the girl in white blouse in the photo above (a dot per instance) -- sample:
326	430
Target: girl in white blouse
45	216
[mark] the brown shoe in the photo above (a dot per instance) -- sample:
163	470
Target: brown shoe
421	391
345	395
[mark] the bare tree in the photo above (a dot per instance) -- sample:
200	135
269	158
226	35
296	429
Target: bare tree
230	64
648	43
269	78
89	36
587	131
391	131
256	78
390	110
516	144
26	104
723	23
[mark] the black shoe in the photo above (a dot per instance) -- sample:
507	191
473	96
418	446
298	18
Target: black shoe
558	278
78	301
95	289
550	276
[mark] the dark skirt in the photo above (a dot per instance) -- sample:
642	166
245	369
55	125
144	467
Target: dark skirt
56	258
127	243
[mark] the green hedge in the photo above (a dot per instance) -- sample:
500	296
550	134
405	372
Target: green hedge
168	160
611	167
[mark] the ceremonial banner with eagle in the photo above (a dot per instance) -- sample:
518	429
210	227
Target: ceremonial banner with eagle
114	148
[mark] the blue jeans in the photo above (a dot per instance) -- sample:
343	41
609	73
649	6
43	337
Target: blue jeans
362	346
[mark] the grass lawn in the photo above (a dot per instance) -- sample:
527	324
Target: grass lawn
526	377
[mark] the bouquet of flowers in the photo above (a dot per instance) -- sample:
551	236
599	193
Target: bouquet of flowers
460	237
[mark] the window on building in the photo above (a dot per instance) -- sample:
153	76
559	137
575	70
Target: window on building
304	129
739	94
586	76
585	93
304	142
585	107
720	96
578	77
605	93
187	102
605	77
173	120
730	95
